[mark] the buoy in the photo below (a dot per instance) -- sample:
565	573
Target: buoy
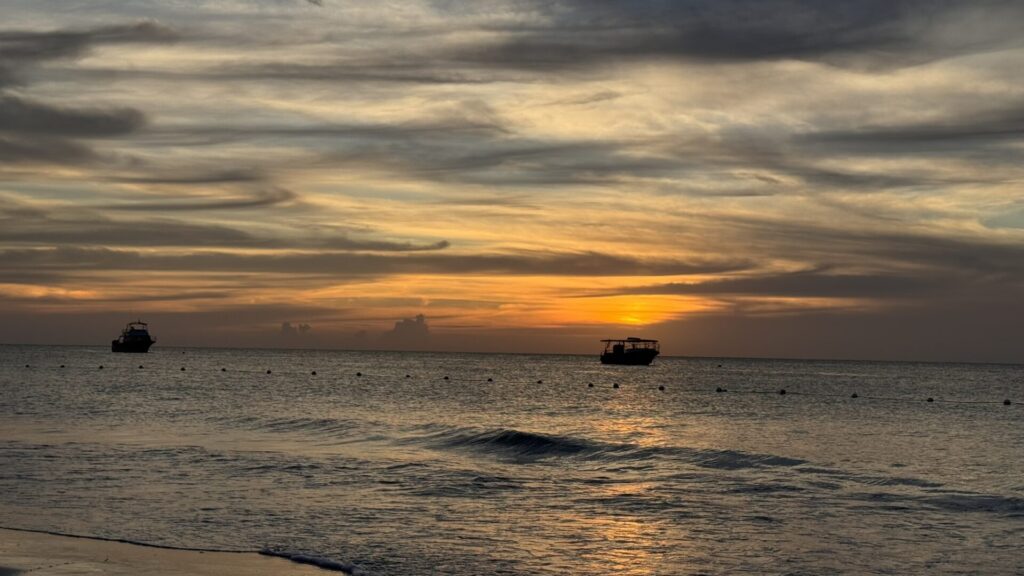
101	366
26	365
182	368
490	379
140	366
782	392
930	399
662	388
616	385
719	365
359	373
540	381
590	384
445	377
61	365
223	369
407	376
854	395
1007	402
313	372
268	371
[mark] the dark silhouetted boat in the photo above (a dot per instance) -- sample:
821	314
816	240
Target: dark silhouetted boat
134	338
631	351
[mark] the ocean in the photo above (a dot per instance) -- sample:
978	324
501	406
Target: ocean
389	463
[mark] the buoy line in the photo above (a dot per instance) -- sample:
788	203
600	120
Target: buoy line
658	386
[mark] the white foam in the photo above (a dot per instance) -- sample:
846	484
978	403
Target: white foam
319	562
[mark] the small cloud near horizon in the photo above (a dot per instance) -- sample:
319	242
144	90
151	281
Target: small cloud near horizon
290	331
408	333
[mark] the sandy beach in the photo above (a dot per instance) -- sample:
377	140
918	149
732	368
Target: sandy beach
48	555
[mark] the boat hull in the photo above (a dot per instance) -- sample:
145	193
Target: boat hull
630	358
138	347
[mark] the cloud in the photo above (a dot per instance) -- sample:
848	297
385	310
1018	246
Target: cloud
414	69
32	46
812	284
923	251
64	226
343	264
43	150
951	130
7	77
582	33
483	158
408	333
498	42
342	243
264	198
289	331
354	133
229	176
40	289
18	115
95	231
36	132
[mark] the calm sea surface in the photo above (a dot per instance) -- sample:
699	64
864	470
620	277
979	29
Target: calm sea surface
467	464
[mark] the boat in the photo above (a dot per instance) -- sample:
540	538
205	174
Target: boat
631	351
134	338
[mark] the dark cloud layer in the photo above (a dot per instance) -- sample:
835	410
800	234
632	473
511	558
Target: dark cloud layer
22	116
953	132
579	34
263	198
876	32
342	264
808	284
200	176
44	150
918	253
32	131
27	225
29	46
35	132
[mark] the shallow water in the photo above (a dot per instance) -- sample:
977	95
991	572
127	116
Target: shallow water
401	471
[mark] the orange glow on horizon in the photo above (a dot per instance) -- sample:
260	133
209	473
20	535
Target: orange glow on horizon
515	302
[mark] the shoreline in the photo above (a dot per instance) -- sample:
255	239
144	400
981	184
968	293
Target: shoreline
41	553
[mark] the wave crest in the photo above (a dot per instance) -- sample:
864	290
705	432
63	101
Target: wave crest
529	445
523	446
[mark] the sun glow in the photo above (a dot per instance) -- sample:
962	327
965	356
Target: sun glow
511	302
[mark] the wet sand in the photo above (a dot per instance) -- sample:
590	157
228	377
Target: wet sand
48	555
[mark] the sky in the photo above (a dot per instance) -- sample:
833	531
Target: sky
774	178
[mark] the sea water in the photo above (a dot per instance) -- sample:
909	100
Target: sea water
387	463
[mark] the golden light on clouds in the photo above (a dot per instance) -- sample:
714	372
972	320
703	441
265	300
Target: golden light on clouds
510	301
349	167
35	292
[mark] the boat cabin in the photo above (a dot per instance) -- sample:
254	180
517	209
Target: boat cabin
634	351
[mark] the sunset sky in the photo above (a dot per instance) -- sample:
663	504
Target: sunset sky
734	177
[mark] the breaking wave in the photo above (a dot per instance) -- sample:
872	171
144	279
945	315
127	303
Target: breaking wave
312	560
523	446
